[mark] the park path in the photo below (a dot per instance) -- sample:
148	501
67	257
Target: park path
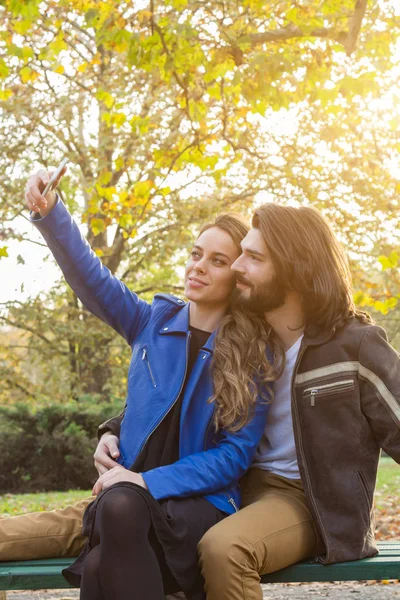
277	591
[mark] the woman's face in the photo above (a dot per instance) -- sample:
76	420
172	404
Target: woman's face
208	275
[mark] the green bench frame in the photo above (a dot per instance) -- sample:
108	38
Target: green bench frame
46	574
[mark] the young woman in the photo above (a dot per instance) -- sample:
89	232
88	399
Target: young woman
184	443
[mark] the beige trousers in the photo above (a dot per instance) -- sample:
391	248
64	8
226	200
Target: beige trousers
51	534
273	530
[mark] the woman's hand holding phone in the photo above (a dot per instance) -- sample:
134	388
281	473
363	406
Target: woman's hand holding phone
38	198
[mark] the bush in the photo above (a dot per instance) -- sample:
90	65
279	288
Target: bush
51	447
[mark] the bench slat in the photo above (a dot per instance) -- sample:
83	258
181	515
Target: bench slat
40	574
378	567
32	578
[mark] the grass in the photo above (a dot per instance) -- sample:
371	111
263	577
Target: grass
16	504
388	477
388	485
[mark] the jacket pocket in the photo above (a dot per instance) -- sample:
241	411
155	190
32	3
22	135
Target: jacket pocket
145	360
327	389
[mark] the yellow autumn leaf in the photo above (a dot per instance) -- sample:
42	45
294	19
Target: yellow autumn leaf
118	119
119	163
28	74
5	95
82	68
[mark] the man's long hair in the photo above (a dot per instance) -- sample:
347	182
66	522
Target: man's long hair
309	258
241	368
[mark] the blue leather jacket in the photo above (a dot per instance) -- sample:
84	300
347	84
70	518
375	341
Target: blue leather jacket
210	463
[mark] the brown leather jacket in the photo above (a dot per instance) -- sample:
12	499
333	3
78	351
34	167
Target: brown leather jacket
345	408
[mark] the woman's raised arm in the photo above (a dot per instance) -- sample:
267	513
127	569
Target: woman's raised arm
98	289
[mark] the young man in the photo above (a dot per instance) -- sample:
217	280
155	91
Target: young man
310	489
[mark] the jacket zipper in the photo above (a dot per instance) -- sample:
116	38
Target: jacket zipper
299	439
328	388
231	501
145	358
188	336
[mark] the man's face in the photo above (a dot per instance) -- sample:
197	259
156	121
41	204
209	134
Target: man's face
258	287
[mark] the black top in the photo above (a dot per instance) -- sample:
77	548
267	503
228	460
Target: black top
163	445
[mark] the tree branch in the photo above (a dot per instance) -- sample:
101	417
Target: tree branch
347	39
13	383
355	23
33	332
81	30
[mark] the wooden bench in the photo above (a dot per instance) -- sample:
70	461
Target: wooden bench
46	574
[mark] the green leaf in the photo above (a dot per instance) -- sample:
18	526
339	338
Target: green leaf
3	68
3	252
119	163
28	74
140	125
22	27
105	178
142	188
97	226
57	45
105	97
25	8
125	221
106	192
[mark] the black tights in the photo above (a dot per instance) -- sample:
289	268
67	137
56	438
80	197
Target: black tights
126	561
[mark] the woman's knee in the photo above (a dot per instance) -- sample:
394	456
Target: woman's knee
123	509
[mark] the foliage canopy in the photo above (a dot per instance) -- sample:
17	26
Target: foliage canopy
173	111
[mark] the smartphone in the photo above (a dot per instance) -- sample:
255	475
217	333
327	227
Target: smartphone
55	176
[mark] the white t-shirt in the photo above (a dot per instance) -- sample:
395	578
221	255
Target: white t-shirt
277	451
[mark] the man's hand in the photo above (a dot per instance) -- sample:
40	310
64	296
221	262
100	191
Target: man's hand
33	192
107	450
117	475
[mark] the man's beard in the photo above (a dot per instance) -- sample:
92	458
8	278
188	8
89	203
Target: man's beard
262	298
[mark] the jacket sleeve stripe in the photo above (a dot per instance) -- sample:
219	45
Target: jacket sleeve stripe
335	369
382	390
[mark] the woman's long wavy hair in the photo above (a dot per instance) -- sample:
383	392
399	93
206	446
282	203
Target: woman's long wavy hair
309	259
241	368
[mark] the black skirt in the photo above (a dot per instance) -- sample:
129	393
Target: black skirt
178	524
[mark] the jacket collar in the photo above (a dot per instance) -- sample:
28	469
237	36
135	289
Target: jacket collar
318	339
179	323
